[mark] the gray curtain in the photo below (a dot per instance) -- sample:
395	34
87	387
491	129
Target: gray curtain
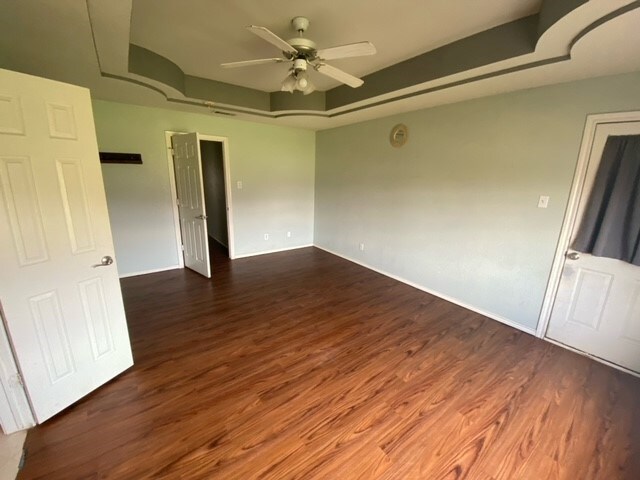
611	223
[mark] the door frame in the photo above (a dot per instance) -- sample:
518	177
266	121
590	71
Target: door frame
227	189
570	218
15	410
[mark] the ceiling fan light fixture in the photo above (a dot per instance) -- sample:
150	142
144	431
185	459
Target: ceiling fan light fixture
310	89
304	84
302	53
302	80
297	80
289	83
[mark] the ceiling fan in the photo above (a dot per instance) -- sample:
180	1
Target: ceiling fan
302	53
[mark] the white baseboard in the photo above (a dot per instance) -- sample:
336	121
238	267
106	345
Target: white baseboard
155	270
493	316
265	252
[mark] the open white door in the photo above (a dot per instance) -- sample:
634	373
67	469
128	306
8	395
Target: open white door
191	205
59	287
597	306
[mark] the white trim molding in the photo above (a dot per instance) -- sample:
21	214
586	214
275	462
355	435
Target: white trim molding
448	298
266	252
15	411
226	166
571	213
154	270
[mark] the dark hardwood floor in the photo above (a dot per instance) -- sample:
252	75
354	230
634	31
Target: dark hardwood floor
301	365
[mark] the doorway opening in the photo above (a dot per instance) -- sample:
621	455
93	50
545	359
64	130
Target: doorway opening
200	186
213	182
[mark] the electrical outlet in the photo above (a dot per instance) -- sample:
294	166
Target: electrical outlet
361	247
288	234
239	184
266	236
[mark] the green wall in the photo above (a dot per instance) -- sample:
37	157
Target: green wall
275	165
455	210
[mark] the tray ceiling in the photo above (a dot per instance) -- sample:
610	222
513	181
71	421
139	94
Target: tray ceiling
167	54
199	35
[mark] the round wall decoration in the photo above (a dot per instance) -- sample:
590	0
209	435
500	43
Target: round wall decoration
399	135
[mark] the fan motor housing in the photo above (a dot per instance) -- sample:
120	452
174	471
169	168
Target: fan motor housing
299	64
304	46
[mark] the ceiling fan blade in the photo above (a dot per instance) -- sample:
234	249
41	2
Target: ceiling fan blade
248	63
339	75
273	39
359	49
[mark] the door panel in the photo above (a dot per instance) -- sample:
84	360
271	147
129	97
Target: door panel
96	314
64	313
23	210
11	120
191	205
52	335
75	204
589	294
631	328
597	305
62	122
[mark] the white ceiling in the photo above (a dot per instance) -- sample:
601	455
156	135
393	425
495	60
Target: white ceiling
198	35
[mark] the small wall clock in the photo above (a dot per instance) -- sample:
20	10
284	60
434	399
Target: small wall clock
399	135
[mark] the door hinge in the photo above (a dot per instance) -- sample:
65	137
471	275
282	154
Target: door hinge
177	201
16	380
182	247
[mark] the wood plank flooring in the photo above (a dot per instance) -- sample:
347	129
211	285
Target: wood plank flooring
301	365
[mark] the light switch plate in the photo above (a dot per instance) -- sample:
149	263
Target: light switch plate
543	201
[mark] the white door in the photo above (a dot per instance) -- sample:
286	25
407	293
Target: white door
59	285
597	306
191	205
